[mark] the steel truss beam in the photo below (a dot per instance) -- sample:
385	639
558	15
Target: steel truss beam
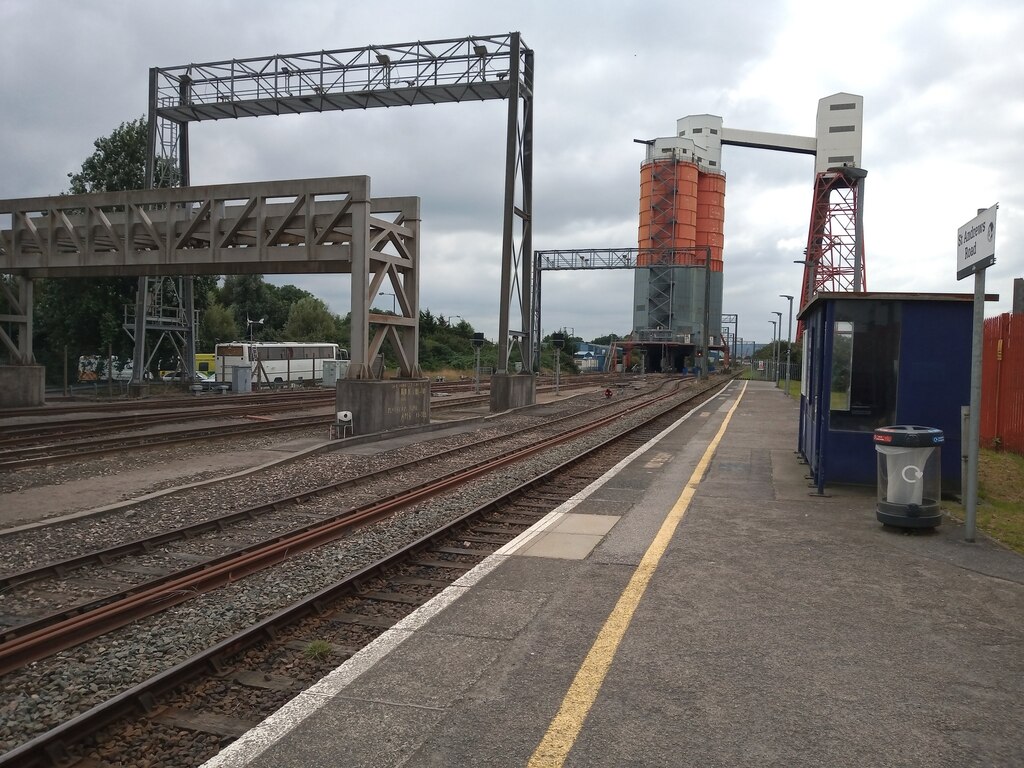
663	260
302	226
403	74
393	75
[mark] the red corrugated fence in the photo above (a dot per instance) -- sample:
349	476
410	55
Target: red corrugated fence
1002	383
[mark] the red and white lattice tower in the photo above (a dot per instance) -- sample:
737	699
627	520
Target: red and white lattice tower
834	257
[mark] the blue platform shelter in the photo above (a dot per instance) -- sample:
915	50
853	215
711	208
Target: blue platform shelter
873	360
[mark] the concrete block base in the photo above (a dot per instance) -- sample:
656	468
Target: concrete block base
22	386
378	406
512	391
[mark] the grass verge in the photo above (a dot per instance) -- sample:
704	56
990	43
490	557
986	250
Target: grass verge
1000	512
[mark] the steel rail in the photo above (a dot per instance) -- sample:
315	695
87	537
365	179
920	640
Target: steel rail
42	455
17	434
180	402
116	445
44	642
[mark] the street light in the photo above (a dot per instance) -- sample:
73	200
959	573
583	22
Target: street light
773	343
810	274
777	355
394	310
789	339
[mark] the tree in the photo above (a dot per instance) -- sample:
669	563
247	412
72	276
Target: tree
118	163
428	323
87	315
218	325
249	298
310	320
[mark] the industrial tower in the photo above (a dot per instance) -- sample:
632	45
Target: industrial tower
682	206
678	300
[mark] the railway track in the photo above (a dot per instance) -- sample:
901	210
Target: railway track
54	581
180	403
68	450
19	435
31	445
255	670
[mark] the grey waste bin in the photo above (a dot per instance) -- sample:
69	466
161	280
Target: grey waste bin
909	476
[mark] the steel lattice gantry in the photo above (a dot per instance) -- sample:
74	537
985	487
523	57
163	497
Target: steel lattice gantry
405	74
329	225
659	259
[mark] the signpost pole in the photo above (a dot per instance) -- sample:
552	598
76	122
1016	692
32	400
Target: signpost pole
976	251
974	428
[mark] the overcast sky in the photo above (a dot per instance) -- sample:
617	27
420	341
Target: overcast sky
942	81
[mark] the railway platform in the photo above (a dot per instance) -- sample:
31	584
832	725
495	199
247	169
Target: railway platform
696	606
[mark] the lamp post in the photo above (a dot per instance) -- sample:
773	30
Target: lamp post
777	350
394	305
789	339
772	359
808	285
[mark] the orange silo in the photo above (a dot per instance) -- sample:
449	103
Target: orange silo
711	215
668	207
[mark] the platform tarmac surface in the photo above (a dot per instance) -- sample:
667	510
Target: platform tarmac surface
769	627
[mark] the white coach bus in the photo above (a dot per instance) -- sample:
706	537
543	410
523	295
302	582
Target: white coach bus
279	362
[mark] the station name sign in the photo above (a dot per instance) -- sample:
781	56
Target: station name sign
976	243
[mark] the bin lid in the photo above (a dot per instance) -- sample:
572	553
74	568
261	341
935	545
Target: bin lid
907	435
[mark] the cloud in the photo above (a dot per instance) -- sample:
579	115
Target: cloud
944	113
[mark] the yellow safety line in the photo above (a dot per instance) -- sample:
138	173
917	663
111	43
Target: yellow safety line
565	727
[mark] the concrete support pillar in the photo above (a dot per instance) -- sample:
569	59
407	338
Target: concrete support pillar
512	391
22	386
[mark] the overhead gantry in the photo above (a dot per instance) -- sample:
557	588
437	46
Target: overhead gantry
393	75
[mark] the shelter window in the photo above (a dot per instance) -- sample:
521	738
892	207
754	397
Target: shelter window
865	361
